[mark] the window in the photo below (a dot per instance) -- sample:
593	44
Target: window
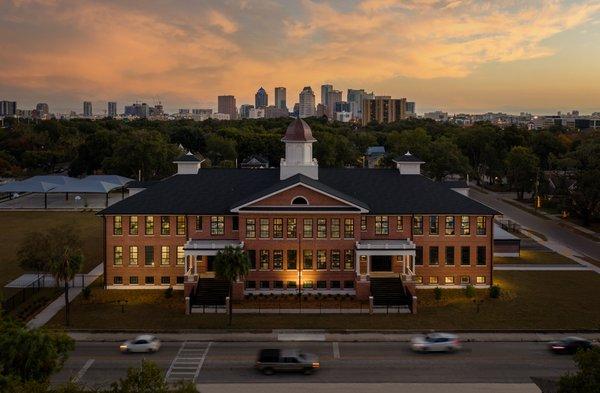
180	225
149	280
434	256
399	224
321	228
133	255
235	223
149	255
117	280
292	259
418	279
449	225
180	255
264	259
149	225
118	254
335	284
481	255
292	228
277	259
307	259
165	280
481	230
179	280
299	201
349	284
335	259
434	225
321	284
308	284
480	280
464	225
381	225
263	227
465	279
418	255
278	284
348	227
217	225
449	280
465	255
133	225
252	258
117	225
321	260
164	255
363	223
133	280
433	280
450	255
198	223
250	227
417	225
250	284
278	228
264	285
335	228
348	260
291	285
165	225
308	227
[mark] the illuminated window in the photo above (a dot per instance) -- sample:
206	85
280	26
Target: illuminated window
133	255
217	225
433	280
418	279
133	225
264	228
348	260
149	225
348	228
465	228
165	255
278	228
264	259
165	225
449	280
181	225
198	223
335	228
278	260
321	260
381	225
307	259
335	259
449	225
117	225
180	255
417	225
292	231
399	224
480	279
321	228
308	228
118	255
481	229
250	228
363	223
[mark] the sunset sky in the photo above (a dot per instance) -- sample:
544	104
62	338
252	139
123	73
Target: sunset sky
453	55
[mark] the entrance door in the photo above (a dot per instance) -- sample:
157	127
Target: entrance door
381	263
210	263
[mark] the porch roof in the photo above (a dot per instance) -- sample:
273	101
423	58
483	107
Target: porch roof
392	244
199	245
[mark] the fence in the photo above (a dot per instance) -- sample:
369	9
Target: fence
23	295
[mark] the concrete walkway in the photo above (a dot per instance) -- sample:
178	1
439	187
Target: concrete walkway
541	267
53	308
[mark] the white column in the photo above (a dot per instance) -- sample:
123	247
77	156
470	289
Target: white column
357	263
195	262
368	265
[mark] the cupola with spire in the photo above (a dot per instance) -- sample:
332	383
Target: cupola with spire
409	164
188	164
298	159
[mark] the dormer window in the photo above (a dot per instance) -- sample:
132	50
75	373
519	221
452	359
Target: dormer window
299	201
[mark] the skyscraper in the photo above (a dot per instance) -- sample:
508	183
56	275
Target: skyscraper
325	89
261	99
280	101
383	109
87	108
307	103
42	108
245	110
333	96
112	109
356	97
8	108
227	105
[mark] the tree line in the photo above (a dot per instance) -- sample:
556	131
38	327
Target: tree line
512	157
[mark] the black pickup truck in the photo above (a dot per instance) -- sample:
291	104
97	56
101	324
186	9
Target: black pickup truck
286	360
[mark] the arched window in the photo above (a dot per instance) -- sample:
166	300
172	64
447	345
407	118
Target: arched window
299	200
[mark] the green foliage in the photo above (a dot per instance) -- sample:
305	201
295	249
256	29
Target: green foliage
86	292
148	378
470	291
33	252
437	293
30	354
587	377
169	292
231	264
495	291
522	167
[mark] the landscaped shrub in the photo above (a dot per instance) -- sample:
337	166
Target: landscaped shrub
470	291
437	293
495	291
169	292
87	293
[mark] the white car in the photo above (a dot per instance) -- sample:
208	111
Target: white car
143	343
435	342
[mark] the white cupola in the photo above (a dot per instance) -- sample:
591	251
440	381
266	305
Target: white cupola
188	164
409	164
298	159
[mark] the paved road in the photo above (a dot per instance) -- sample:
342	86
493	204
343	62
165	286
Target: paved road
549	228
227	362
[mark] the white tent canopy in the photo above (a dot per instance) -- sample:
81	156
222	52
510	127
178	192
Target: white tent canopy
39	184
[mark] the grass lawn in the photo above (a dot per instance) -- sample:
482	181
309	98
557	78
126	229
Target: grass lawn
530	300
535	257
18	223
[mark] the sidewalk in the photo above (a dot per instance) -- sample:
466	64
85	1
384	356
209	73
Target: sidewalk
53	308
540	267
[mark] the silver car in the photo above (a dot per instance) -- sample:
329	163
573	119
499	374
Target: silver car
143	343
435	342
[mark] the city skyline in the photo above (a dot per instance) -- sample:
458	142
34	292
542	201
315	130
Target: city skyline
456	56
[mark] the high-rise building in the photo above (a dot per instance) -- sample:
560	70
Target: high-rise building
42	108
307	103
333	96
280	101
356	97
226	104
112	109
325	89
383	109
245	111
87	108
272	112
411	109
261	99
296	111
8	108
256	113
321	110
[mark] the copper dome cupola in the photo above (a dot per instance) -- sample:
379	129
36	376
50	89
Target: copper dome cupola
298	131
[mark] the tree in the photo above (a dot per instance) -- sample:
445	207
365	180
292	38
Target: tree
522	167
148	378
30	354
445	158
65	258
586	195
231	264
33	252
587	378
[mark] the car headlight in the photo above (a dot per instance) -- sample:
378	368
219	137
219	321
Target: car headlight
315	365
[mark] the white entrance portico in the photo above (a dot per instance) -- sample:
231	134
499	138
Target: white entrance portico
194	249
368	261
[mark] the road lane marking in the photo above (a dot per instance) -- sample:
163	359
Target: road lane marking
202	361
83	370
336	350
188	362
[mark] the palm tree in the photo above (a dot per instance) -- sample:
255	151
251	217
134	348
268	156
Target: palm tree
65	259
231	264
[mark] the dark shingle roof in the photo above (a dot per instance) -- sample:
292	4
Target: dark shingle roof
216	191
455	183
407	157
188	157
